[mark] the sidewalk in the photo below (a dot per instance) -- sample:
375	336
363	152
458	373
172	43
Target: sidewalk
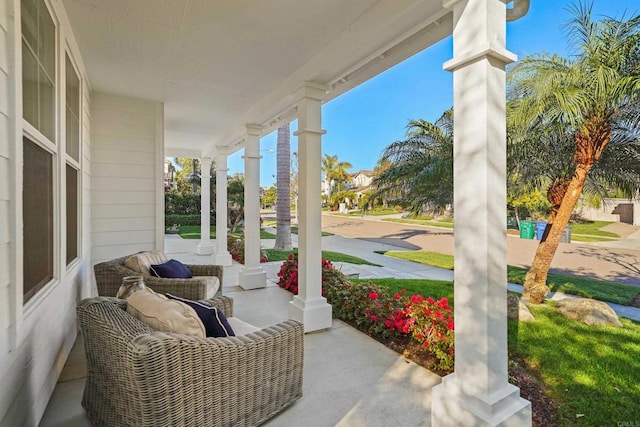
184	250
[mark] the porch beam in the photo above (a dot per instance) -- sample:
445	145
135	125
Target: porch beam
478	392
252	276
205	247
221	255
309	306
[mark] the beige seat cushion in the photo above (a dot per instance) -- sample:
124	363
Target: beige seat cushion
163	314
142	261
240	327
213	284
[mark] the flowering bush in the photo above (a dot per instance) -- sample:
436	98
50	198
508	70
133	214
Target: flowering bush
366	305
235	246
372	309
288	274
429	322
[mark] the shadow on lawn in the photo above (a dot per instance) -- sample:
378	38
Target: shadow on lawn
592	375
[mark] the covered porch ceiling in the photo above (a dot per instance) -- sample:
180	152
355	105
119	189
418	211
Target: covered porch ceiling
220	65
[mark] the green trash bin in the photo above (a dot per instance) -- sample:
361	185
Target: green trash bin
527	229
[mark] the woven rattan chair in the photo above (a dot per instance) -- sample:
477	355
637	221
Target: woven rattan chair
140	377
109	277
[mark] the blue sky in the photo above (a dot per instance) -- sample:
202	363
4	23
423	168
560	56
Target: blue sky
363	121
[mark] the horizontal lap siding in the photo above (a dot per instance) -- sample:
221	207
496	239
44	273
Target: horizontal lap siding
124	166
7	301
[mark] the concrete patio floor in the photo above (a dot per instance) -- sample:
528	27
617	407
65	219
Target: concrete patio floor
349	378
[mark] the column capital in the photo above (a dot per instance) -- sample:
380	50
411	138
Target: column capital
254	129
311	90
205	160
221	150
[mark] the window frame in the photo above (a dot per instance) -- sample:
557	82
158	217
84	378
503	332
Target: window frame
53	147
69	160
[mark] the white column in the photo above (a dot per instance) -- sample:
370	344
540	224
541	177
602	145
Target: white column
205	247
309	306
252	276
478	392
221	255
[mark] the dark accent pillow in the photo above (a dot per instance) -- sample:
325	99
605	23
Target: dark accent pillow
215	323
172	269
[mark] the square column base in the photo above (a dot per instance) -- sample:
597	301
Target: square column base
451	406
205	248
222	258
252	278
314	314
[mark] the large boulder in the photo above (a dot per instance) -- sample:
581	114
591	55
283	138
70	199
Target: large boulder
518	310
588	311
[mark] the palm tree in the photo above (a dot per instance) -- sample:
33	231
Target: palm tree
335	172
328	165
283	189
418	171
592	100
340	175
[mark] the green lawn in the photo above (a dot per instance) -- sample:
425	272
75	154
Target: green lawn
592	228
294	230
193	232
445	222
435	259
425	287
280	255
582	286
594	371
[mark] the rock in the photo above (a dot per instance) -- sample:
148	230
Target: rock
588	311
518	310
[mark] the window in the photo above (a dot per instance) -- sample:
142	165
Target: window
37	208
72	214
39	151
72	111
72	140
38	67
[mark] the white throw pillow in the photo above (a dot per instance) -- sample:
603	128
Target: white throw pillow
142	261
163	314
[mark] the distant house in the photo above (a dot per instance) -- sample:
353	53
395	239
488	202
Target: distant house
361	182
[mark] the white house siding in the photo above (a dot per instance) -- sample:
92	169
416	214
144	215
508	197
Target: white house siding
127	176
6	118
35	339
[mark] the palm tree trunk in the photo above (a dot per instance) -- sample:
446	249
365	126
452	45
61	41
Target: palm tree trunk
283	189
535	285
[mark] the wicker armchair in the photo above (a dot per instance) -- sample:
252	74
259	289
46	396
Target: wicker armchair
109	277
140	377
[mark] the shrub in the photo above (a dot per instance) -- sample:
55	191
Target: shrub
181	203
288	275
235	246
169	220
429	322
372	309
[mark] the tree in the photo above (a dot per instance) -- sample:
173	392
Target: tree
269	196
328	165
418	172
235	201
585	109
283	188
336	172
